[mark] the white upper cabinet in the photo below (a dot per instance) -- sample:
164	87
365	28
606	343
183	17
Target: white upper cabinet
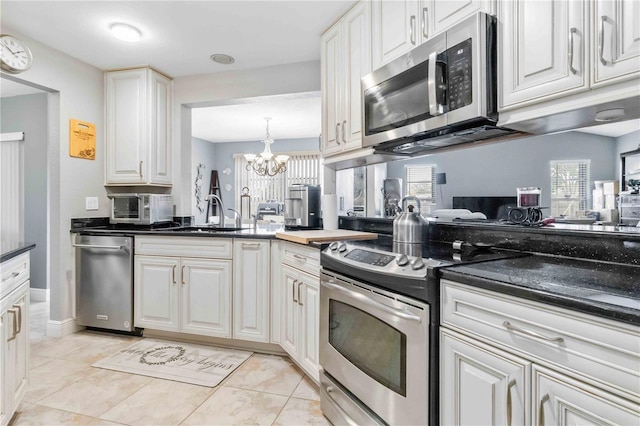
138	127
346	57
542	49
616	40
400	25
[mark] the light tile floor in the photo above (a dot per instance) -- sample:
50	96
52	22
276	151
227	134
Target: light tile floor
64	389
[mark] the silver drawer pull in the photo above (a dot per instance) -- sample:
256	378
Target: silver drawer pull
13	275
511	327
299	257
250	245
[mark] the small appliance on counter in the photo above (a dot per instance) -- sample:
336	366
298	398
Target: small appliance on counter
141	209
392	194
302	208
269	208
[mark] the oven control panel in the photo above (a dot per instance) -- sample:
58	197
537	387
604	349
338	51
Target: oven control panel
369	257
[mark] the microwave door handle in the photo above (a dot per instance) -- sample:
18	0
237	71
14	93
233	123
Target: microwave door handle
432	86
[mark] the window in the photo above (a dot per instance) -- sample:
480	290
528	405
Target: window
569	187
302	168
420	183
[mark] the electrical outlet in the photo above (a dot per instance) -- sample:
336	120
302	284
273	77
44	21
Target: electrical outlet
91	203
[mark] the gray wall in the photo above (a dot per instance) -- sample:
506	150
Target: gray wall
28	114
626	143
498	169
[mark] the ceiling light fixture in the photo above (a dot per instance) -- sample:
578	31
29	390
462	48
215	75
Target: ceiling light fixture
223	59
267	164
125	32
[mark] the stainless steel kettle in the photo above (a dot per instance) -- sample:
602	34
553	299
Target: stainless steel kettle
409	226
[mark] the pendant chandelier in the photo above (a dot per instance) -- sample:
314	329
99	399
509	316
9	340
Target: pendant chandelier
266	163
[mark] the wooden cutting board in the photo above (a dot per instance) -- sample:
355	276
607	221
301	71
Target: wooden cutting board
324	236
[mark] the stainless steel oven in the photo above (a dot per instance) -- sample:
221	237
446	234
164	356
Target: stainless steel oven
374	346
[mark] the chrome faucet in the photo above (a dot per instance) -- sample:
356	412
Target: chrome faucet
219	201
237	218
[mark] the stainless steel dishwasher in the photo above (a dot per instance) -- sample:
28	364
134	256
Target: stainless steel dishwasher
104	281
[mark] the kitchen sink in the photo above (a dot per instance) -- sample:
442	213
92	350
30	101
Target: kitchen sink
203	229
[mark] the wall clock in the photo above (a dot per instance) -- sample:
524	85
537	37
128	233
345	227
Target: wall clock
15	55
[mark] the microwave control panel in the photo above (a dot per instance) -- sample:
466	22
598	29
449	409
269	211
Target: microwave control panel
460	76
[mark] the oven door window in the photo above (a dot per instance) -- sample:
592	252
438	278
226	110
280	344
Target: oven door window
372	345
126	208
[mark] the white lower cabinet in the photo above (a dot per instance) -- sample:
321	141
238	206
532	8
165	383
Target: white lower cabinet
251	290
182	294
300	304
14	335
506	360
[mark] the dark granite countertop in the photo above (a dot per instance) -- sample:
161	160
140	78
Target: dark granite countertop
203	231
11	250
599	288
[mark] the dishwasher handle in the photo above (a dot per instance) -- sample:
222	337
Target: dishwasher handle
90	246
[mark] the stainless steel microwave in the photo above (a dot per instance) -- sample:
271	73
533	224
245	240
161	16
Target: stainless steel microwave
141	209
441	93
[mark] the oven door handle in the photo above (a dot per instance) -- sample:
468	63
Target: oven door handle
375	304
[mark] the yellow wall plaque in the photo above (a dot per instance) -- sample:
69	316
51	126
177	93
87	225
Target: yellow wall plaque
82	139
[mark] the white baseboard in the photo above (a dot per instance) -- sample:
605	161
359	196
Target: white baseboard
62	328
39	294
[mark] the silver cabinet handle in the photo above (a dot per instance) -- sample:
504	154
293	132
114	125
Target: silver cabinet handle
174	274
509	326
603	19
338	133
344	127
571	33
99	246
13	275
368	301
182	274
19	308
541	410
14	312
251	245
140	169
293	290
425	28
511	383
412	29
299	298
300	257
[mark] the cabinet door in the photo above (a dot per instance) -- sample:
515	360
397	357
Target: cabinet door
309	307
480	384
561	400
156	292
206	296
159	107
126	118
289	306
276	292
6	332
441	15
331	76
543	50
616	42
251	290
18	348
356	32
395	29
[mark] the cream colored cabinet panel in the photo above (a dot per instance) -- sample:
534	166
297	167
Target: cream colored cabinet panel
251	290
563	401
543	50
14	271
206	296
331	53
156	292
5	374
309	306
440	15
138	127
306	259
395	28
17	353
275	292
480	384
207	247
345	58
616	40
290	324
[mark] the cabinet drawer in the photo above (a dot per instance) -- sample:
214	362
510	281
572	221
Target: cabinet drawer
13	272
209	247
301	257
602	350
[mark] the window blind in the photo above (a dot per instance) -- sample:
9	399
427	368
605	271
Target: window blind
421	184
570	182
